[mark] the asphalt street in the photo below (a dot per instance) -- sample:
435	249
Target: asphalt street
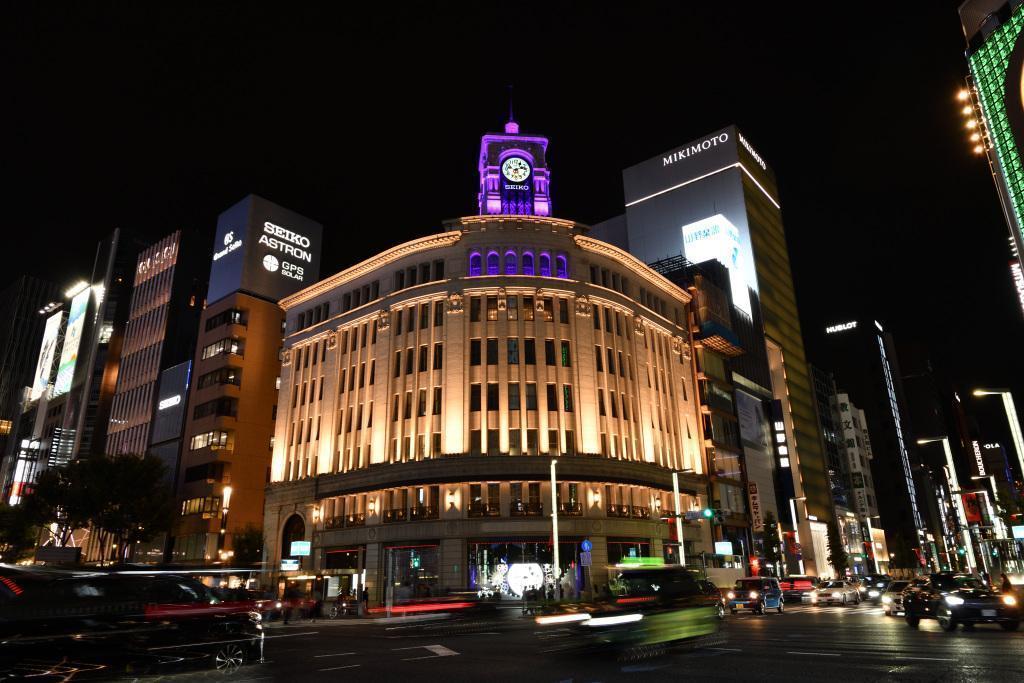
856	643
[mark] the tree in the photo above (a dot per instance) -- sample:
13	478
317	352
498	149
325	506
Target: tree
68	496
138	504
902	555
17	532
247	544
837	555
771	553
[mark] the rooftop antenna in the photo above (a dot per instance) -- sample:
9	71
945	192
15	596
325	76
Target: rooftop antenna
511	127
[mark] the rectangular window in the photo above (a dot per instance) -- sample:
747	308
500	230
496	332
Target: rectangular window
567	404
394	408
227	375
563	311
223	407
373	365
570	449
409	361
341	384
513	396
492	351
438	356
424	316
611	361
552	398
531	396
493	448
492	308
531	449
474	309
229	345
599	358
600	402
513	351
438	270
553	441
474	398
613	403
625	407
608	320
408	405
622	366
527	308
597	317
398	363
515	443
435	443
618	324
566	356
438	313
410	318
492	396
436	407
421	403
423	358
530	351
549	351
512	307
397	315
474	352
474	445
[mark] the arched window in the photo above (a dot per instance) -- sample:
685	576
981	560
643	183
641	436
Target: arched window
561	266
545	264
527	263
510	262
475	267
294	530
493	263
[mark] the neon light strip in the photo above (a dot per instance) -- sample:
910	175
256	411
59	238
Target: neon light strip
707	175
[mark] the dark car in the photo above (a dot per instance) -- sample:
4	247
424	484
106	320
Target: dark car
109	625
874	588
799	588
714	595
650	608
959	599
757	594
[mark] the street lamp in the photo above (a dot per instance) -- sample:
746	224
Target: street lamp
796	529
1011	417
993	504
954	492
554	519
679	515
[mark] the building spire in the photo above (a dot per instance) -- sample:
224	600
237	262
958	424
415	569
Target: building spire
511	127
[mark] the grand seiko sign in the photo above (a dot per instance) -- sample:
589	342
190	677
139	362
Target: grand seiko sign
695	148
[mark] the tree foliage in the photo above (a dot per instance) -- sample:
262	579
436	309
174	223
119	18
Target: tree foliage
837	555
17	533
247	544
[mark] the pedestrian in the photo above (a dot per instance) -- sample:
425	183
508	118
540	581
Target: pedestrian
318	605
986	578
1004	583
364	601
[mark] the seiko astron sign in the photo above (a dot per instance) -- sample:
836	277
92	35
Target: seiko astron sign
264	249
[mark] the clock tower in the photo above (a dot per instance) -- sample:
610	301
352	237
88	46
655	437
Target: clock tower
513	173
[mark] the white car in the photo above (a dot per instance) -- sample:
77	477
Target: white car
838	593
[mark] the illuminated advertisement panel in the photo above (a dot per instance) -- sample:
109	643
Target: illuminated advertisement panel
47	352
72	340
717	239
998	70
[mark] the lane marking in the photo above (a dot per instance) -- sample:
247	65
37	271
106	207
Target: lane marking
292	635
724	649
437	650
925	659
336	668
813	654
339	654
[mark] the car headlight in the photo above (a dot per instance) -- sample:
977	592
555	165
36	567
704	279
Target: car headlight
953	601
731	595
861	588
277	605
886	600
753	595
837	595
872	594
1009	600
814	597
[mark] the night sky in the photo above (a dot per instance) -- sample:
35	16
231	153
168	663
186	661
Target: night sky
150	120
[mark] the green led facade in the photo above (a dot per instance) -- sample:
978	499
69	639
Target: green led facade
989	65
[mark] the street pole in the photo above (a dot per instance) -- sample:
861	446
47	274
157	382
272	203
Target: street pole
796	531
679	520
554	520
1011	417
954	485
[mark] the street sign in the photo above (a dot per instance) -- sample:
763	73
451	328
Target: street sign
289	564
300	548
585	559
691	515
586	545
723	548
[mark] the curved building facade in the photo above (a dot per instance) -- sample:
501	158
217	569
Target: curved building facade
425	392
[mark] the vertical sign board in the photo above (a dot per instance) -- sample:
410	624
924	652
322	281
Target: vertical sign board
755	508
72	340
47	352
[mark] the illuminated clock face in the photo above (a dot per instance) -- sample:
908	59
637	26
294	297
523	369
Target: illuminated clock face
515	169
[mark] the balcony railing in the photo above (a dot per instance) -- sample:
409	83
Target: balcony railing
423	512
484	510
395	515
615	510
342	521
521	509
570	509
641	512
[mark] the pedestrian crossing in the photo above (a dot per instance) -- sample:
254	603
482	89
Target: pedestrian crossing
862	609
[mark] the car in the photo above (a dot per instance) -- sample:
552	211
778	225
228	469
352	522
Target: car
757	594
838	592
955	599
714	595
799	588
107	625
874	588
892	597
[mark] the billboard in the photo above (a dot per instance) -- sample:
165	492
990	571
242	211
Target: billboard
264	249
72	340
47	352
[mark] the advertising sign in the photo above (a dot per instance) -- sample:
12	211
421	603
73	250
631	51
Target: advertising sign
72	340
723	548
717	239
754	432
264	249
1018	531
300	549
755	507
288	565
47	352
972	508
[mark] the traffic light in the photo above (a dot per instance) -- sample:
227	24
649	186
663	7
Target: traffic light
708	513
961	551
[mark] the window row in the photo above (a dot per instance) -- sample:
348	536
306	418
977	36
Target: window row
512	262
193	506
553	397
308	391
414	275
489	442
403	409
214	440
609	279
419	361
220	407
356	376
606	358
232	316
313	316
406	320
360	295
560	354
542	308
228	345
227	375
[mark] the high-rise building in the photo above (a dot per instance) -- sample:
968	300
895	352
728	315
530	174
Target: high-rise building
715	200
167	297
25	306
995	54
262	252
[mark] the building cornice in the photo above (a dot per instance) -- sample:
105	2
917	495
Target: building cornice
633	263
427	243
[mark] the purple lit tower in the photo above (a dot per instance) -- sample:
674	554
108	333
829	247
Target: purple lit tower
513	173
